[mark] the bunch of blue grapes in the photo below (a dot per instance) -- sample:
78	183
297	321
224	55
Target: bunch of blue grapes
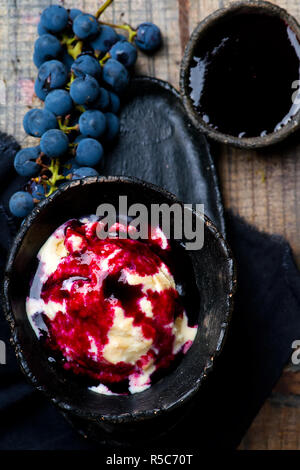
84	67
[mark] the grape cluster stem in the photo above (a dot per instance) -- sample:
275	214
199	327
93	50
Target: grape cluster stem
55	176
126	27
103	8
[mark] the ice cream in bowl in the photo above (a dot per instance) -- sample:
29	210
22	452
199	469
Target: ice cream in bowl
108	309
119	330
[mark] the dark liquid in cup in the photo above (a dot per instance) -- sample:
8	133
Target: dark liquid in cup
244	75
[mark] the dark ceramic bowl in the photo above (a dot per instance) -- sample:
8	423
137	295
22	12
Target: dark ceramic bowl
213	272
199	34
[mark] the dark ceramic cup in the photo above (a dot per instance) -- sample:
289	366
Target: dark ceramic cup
141	414
199	34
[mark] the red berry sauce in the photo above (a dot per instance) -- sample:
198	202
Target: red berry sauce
93	281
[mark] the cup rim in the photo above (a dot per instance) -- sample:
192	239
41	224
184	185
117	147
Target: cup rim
8	310
200	30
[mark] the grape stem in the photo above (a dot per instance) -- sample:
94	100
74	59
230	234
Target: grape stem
132	32
54	168
55	176
80	108
103	8
104	59
65	128
72	78
39	161
67	40
74	51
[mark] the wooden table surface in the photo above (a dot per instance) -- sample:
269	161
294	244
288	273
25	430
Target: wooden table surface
263	186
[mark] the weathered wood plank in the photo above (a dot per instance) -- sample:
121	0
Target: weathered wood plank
263	187
275	428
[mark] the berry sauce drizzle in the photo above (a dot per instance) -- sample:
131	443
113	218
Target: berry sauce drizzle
110	309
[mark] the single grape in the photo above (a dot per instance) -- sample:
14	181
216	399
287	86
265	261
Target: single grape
102	102
37	189
84	90
124	52
74	12
55	18
37	121
52	74
86	65
85	26
112	126
105	39
148	37
46	47
69	166
40	91
59	102
37	60
116	75
92	123
41	30
89	152
21	204
114	105
54	143
83	172
25	161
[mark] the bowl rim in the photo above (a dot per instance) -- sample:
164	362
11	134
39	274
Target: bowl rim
9	315
212	19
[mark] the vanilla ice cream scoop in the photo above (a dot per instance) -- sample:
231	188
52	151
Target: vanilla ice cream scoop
108	309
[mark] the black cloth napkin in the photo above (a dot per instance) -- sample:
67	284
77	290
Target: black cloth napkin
265	322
